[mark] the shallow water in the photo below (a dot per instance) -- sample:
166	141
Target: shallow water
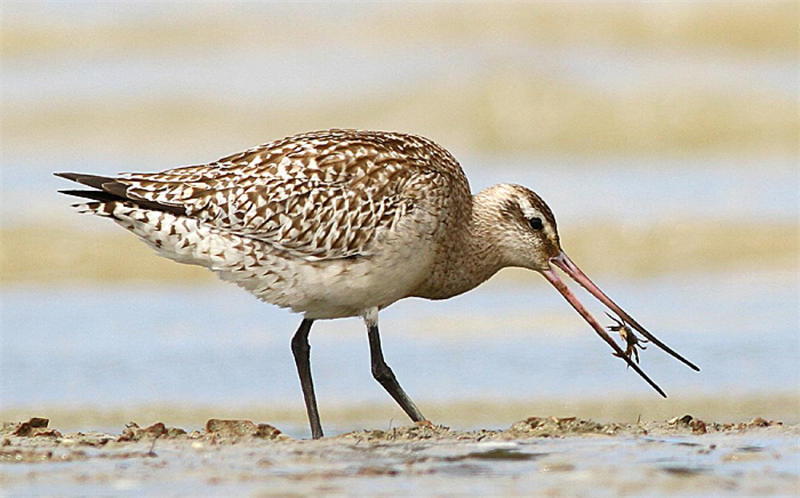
216	344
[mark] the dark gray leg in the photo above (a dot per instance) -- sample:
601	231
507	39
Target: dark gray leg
384	375
301	350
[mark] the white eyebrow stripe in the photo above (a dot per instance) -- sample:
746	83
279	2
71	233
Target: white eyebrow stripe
529	212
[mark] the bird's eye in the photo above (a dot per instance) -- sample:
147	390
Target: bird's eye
536	223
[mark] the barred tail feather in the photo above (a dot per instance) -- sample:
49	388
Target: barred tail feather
111	190
105	209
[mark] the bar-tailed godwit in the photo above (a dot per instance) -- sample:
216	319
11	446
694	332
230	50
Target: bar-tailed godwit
343	223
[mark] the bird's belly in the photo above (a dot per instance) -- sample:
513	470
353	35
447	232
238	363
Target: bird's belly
398	261
333	288
347	287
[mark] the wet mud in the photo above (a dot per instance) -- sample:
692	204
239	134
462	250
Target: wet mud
538	455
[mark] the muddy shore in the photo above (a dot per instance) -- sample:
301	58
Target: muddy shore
537	455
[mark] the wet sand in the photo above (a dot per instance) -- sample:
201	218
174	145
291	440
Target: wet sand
537	455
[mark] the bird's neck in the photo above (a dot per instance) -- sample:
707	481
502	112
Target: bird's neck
467	256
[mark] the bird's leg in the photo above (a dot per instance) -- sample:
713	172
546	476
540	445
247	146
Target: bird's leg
381	371
301	350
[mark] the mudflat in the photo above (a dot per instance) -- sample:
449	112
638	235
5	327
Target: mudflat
537	455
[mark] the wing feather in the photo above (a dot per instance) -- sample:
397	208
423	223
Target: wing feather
320	195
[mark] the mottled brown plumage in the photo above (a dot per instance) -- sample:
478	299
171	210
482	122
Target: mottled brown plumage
321	195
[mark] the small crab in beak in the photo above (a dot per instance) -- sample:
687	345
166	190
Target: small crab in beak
630	354
626	334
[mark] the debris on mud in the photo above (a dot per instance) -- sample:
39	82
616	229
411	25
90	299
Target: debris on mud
554	426
216	431
417	432
33	427
219	430
697	425
700	427
133	432
32	440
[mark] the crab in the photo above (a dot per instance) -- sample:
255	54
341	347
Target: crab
630	339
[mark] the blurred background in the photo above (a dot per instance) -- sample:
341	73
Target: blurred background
664	136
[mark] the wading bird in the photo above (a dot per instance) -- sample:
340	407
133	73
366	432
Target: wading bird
343	223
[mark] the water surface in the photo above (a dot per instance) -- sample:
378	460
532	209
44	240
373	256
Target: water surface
149	344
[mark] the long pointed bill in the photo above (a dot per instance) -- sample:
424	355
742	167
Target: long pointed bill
566	264
559	284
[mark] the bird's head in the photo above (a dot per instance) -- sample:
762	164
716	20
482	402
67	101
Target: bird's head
523	230
522	226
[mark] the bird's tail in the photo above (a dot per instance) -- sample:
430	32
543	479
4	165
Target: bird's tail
165	228
106	193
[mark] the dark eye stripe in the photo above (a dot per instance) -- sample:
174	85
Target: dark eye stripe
536	223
